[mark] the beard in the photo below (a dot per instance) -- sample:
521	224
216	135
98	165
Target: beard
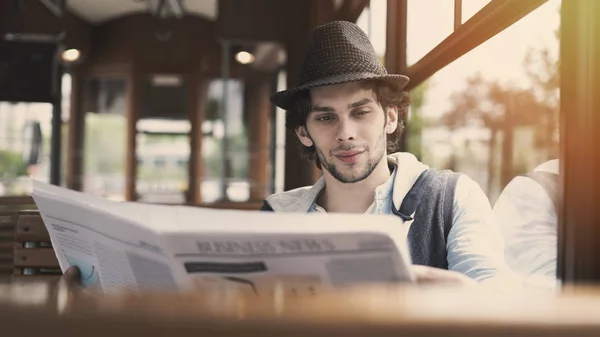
356	173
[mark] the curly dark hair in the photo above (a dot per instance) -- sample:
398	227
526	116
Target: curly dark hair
387	93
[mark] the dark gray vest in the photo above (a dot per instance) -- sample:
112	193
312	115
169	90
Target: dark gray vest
431	199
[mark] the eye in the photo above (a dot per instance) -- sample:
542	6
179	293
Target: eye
324	118
361	113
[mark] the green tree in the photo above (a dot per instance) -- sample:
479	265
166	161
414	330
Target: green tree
11	164
500	109
414	127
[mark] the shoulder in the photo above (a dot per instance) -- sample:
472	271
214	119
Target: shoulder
523	195
297	200
470	199
551	166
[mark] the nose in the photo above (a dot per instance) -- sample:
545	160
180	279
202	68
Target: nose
346	130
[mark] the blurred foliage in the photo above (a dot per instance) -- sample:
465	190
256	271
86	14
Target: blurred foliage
11	164
414	127
503	108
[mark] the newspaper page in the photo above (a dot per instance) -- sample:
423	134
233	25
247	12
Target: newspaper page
257	250
302	263
114	254
140	247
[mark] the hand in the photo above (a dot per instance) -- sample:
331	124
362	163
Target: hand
430	276
70	281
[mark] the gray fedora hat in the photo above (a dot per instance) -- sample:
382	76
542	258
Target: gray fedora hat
338	52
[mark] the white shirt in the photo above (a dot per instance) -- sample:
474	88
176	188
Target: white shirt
528	221
475	245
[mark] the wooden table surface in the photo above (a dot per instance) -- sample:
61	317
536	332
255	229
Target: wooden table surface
38	308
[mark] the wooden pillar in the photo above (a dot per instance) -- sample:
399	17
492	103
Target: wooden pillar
134	85
198	90
298	171
395	46
257	101
579	215
76	130
395	41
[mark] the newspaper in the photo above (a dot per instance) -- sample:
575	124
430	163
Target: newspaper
127	246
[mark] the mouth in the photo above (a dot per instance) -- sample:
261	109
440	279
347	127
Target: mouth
349	156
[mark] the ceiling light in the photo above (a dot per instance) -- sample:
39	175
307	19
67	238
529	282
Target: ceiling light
166	80
71	55
244	57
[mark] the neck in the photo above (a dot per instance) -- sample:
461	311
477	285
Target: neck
353	197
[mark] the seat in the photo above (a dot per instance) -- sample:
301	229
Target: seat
33	256
9	208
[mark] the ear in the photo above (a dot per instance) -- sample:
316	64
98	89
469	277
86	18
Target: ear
304	137
391	120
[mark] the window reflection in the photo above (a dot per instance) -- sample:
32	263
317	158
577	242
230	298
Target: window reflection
429	22
494	115
225	145
15	174
470	7
105	132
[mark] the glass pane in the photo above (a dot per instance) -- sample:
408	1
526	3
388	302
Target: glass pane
225	145
470	7
14	172
429	23
494	114
163	152
163	141
105	138
373	21
66	115
16	137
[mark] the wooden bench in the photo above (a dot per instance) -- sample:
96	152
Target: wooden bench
27	251
9	209
33	252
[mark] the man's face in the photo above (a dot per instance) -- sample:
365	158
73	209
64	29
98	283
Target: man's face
348	129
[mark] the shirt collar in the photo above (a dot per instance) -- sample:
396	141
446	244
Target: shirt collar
385	190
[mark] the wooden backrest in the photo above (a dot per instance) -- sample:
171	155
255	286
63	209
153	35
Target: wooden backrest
8	221
27	248
9	208
33	252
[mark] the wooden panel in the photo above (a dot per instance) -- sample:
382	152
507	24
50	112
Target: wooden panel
35	258
258	112
579	230
395	50
30	227
153	46
198	99
235	205
7	245
132	113
17	200
263	20
33	17
76	128
48	279
8	220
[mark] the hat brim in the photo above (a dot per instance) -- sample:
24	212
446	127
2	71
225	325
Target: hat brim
285	98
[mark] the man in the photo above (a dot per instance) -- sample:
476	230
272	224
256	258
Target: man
527	213
343	109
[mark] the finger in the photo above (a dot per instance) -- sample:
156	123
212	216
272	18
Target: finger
72	276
